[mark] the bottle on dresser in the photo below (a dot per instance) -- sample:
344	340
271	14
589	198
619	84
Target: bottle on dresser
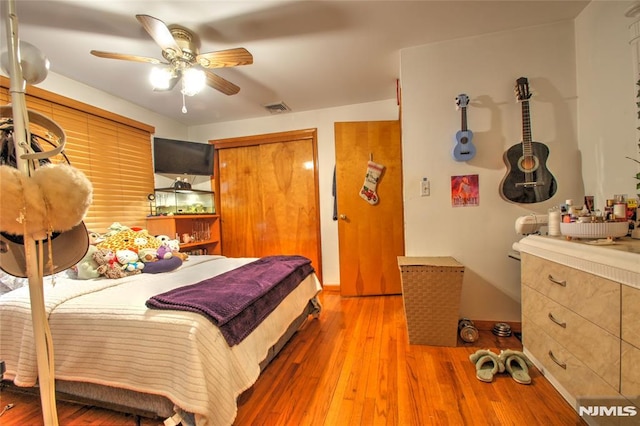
619	208
555	217
567	211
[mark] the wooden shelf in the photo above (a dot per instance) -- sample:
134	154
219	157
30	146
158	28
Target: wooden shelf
176	226
198	244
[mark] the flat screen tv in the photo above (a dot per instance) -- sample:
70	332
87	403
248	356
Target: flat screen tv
182	157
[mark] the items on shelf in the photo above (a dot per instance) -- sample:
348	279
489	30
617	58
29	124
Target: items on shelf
173	201
616	209
200	231
181	184
196	234
618	217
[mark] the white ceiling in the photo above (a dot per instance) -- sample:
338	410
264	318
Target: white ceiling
308	54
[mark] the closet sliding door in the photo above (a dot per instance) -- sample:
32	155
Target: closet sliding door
267	193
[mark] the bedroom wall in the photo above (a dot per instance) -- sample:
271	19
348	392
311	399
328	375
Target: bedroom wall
485	68
606	105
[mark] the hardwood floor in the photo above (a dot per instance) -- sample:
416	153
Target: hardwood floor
354	366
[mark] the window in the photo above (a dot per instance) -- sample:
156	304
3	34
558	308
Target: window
113	151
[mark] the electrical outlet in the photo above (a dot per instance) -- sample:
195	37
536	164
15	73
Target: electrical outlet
425	188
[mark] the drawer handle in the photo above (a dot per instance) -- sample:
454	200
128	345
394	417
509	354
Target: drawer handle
554	359
555	281
560	323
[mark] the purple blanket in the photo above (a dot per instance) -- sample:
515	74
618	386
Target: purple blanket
238	300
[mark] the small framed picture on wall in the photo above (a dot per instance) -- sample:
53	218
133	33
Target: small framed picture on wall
465	191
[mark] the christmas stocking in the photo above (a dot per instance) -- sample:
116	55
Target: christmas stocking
368	191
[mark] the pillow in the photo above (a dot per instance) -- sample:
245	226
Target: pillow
9	282
162	265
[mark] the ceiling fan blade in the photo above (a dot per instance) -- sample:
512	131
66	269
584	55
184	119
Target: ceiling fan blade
159	31
225	58
125	57
219	83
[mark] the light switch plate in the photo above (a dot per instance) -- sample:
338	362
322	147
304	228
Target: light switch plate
425	188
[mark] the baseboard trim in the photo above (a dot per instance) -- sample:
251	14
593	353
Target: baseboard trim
484	325
334	288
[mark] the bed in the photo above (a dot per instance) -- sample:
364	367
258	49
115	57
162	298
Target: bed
110	347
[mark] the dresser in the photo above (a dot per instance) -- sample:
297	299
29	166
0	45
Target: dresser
580	313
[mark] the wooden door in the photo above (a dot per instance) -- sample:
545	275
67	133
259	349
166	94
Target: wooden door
267	189
371	237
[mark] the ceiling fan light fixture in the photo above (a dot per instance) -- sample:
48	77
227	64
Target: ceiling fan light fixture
160	78
180	49
193	81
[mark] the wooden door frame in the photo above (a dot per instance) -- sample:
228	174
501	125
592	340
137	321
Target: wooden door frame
267	138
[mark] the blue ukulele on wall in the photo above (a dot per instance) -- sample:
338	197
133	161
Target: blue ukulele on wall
464	149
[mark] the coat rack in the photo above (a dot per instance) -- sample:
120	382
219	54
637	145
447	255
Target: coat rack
33	254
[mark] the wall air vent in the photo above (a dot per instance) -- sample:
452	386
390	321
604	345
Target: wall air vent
277	108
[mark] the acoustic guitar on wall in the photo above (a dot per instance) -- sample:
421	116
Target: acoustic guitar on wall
527	180
464	150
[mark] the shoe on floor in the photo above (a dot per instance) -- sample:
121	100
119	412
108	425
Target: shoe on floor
487	364
517	365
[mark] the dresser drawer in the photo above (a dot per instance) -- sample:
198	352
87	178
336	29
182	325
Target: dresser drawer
631	316
593	297
578	379
595	347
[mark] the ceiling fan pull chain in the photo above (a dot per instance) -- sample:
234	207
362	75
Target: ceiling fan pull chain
184	106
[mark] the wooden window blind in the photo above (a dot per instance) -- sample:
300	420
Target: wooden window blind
113	151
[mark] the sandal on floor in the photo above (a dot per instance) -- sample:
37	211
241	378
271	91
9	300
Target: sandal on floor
487	364
517	365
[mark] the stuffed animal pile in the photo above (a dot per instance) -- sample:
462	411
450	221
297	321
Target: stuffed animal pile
123	251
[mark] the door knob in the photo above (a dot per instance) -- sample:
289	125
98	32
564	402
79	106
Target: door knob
343	217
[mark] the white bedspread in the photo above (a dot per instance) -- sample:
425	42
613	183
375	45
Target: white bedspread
103	333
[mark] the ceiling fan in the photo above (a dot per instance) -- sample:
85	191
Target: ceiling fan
180	50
